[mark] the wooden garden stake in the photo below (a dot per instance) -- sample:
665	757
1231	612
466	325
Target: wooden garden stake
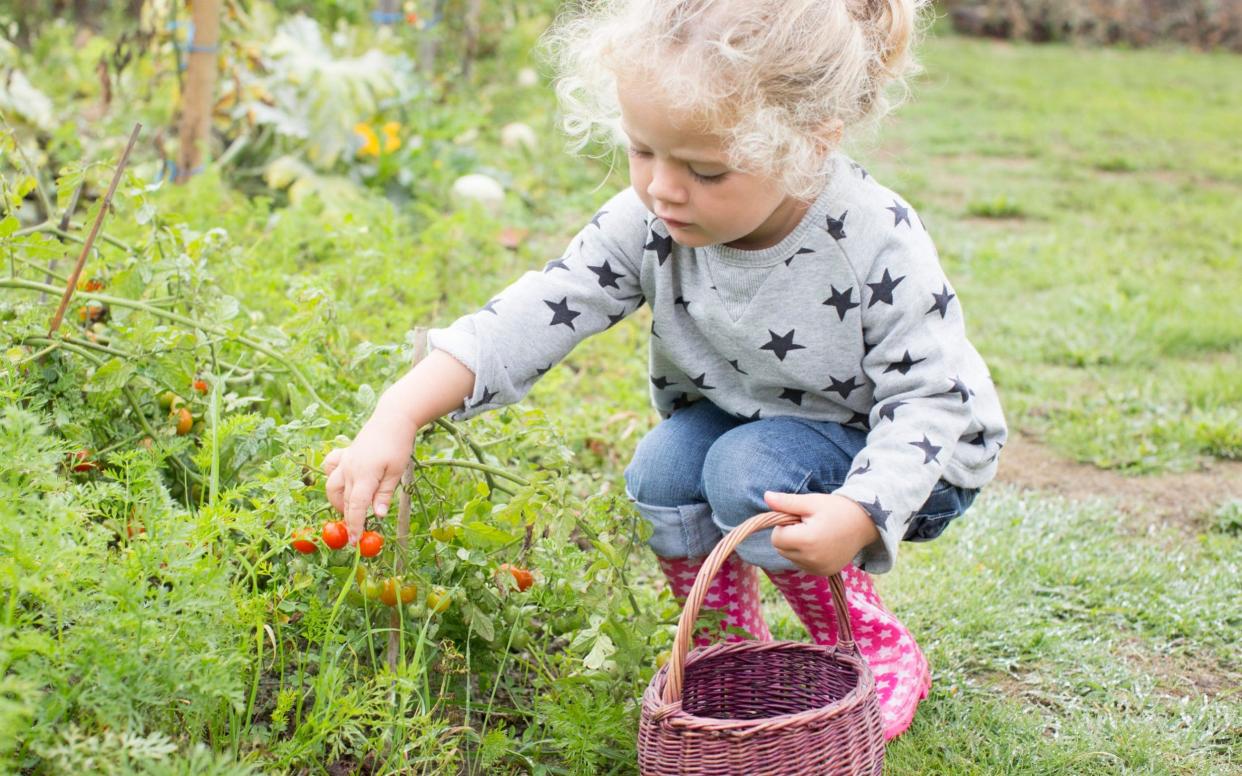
90	238
200	83
403	524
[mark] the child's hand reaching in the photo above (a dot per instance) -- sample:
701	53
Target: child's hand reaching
365	474
833	530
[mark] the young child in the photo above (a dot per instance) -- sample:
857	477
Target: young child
807	353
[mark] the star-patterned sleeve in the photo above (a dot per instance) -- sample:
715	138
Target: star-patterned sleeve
531	325
915	344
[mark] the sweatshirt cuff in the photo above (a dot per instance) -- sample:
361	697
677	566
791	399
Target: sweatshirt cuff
879	556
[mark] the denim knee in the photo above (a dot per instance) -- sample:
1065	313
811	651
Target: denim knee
742	465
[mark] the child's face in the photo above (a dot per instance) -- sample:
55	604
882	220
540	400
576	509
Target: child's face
681	174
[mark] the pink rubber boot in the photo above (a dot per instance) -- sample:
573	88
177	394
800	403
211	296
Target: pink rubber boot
902	676
735	590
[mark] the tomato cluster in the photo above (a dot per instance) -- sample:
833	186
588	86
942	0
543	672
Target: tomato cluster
335	536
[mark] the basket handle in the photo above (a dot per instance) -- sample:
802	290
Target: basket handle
694	600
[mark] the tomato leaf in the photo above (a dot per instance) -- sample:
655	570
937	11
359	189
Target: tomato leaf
481	623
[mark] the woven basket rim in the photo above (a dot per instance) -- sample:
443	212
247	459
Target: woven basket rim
676	716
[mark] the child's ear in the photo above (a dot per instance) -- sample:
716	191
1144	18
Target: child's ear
830	136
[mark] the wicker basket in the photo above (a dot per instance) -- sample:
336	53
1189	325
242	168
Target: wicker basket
777	708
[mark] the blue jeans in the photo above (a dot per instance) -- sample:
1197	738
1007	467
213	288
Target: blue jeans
701	472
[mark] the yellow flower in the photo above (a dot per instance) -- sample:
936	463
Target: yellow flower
391	141
370	143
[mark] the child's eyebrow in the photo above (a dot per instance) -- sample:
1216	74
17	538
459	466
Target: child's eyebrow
678	156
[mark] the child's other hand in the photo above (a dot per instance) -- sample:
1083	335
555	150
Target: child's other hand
833	530
365	474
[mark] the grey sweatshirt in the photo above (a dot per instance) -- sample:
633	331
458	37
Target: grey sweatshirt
850	318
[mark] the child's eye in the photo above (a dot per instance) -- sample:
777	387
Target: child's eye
708	178
636	152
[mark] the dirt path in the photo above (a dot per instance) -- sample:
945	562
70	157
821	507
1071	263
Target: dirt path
1185	500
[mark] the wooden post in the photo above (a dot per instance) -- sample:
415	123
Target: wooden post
474	12
403	523
200	85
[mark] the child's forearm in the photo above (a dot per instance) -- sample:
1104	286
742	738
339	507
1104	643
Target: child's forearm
434	387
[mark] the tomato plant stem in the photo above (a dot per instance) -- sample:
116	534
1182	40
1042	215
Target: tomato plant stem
121	301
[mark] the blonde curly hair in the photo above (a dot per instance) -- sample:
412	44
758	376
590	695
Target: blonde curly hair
770	77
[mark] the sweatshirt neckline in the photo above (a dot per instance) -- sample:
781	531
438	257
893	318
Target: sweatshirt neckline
775	254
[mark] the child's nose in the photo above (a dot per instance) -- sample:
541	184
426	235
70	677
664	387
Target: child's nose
666	183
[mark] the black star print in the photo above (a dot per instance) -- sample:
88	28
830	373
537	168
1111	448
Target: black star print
606	276
598	216
681	300
836	226
904	364
793	395
551	265
562	313
883	290
889	410
613	320
488	306
756	416
487	397
960	388
858	167
900	214
941	305
977	439
781	344
733	363
879	515
866	467
796	255
663	246
700	382
661	382
842	300
681	401
859	419
540	372
843	387
929	450
653	331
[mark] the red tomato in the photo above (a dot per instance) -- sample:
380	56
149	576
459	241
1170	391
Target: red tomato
200	385
335	535
523	577
370	544
303	541
82	461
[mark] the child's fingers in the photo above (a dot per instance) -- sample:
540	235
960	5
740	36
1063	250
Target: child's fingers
335	489
357	498
332	460
383	496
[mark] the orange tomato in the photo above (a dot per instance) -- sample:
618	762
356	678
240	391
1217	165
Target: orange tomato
185	421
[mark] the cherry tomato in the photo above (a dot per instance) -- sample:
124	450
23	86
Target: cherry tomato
200	385
185	421
82	461
335	535
373	589
443	533
361	574
303	541
522	576
167	398
370	544
438	600
389	593
408	593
